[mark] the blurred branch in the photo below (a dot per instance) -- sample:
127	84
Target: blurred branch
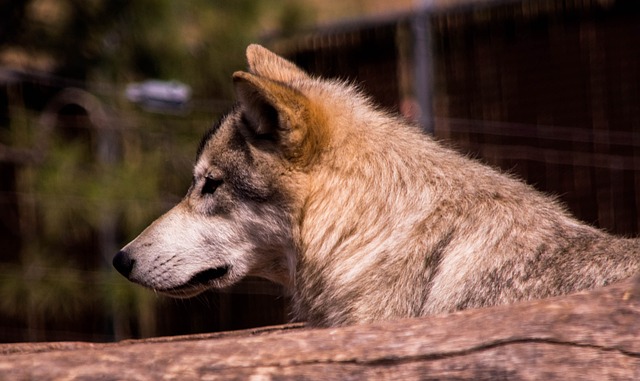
21	156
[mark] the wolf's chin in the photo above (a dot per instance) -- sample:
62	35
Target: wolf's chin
198	283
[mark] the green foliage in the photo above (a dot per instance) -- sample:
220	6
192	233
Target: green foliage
66	201
34	289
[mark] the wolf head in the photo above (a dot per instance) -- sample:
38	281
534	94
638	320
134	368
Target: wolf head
307	184
240	216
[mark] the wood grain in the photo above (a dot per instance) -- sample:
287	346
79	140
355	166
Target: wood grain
586	336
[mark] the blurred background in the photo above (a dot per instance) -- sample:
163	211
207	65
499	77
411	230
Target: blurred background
102	105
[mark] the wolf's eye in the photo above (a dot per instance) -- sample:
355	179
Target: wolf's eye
210	185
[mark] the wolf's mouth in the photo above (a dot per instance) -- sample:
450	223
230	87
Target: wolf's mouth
198	283
204	277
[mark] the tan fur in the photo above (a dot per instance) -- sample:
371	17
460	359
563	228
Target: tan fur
359	215
302	123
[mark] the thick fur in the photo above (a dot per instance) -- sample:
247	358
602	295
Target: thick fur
359	215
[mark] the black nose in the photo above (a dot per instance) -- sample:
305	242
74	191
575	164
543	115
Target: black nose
123	263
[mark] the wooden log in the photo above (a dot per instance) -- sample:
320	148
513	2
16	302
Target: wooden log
585	336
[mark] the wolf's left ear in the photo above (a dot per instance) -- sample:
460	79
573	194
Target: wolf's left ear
282	113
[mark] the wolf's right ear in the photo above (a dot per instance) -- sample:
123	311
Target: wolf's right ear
267	64
282	113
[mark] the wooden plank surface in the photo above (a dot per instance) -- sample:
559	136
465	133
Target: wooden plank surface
590	335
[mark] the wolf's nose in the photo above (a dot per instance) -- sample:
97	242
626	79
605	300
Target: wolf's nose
123	263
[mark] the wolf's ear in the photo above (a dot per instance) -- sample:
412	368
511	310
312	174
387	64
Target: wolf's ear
281	113
270	65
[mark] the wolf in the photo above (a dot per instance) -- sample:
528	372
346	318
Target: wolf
358	214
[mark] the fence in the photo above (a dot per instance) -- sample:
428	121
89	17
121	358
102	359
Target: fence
547	90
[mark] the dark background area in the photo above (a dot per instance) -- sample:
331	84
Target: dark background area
546	90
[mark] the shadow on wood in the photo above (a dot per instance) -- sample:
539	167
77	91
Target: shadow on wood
589	335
